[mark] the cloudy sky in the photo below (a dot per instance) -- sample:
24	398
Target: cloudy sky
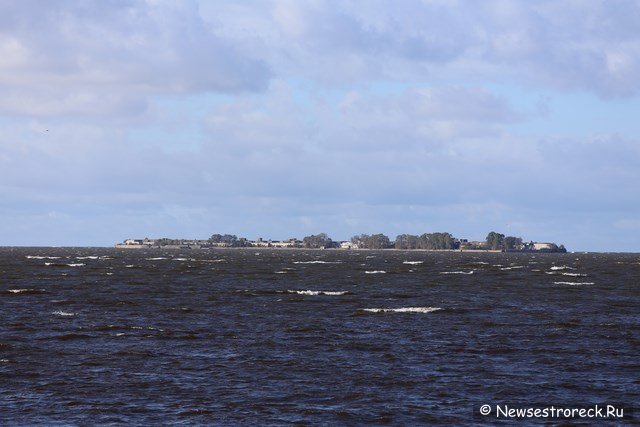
284	118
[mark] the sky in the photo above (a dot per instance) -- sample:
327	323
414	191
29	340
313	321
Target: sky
277	119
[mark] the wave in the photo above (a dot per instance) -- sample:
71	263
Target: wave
402	310
41	257
562	267
413	262
88	257
457	272
129	266
574	283
574	274
317	262
290	291
78	264
515	267
26	291
158	258
63	313
375	272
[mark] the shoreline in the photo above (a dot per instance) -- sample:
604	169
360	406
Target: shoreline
175	248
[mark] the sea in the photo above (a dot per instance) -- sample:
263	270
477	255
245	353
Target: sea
100	336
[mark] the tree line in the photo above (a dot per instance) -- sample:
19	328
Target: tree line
428	241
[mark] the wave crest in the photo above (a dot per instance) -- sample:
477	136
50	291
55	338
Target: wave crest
402	310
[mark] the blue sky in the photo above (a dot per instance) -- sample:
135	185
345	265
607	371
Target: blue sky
284	118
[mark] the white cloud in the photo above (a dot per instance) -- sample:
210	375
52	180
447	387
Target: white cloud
101	57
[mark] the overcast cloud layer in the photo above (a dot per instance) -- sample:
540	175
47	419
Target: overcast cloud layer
284	118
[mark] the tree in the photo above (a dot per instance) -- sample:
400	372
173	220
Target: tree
406	241
512	243
495	240
375	241
317	241
228	239
440	241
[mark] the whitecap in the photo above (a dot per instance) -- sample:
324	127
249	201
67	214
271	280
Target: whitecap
129	266
41	257
158	258
375	272
574	274
574	283
63	313
413	262
402	310
280	272
25	291
79	264
562	267
317	262
457	272
88	257
290	291
515	267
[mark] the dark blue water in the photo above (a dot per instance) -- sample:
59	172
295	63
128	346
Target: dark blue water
246	337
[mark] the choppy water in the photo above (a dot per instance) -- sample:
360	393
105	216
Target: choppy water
318	337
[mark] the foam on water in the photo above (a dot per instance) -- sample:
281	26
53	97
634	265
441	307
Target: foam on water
574	283
375	272
41	257
26	291
63	313
515	267
317	262
413	262
158	258
574	274
78	264
309	292
457	272
562	267
402	310
88	257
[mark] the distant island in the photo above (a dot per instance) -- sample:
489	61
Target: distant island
494	242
